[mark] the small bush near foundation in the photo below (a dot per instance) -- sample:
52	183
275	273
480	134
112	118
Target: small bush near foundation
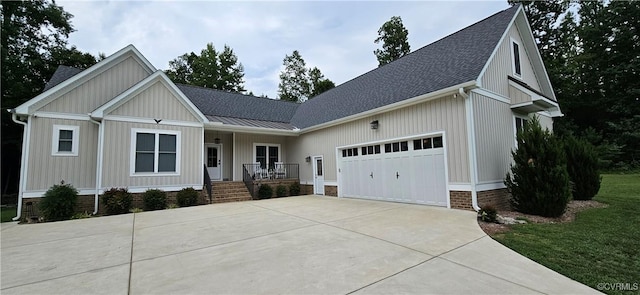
59	202
265	191
187	197
294	189
154	199
281	191
488	214
117	201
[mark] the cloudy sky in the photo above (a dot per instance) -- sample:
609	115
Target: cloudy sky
337	37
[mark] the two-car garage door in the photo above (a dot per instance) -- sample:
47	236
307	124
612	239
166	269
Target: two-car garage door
411	171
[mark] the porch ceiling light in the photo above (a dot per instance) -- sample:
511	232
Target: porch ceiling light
374	124
216	140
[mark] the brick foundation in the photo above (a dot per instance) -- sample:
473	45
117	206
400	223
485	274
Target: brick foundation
461	200
498	198
86	203
329	190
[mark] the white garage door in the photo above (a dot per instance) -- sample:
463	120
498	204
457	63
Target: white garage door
410	171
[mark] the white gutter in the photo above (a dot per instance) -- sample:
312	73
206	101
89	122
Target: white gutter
99	159
471	142
23	160
393	106
249	129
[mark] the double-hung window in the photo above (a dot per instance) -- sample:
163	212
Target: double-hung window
155	152
65	140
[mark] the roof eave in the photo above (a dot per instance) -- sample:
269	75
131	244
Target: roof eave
398	105
249	129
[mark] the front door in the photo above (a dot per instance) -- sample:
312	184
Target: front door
318	175
213	159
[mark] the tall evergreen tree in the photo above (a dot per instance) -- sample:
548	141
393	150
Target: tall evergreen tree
393	36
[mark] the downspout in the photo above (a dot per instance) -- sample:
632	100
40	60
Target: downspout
471	141
98	164
23	161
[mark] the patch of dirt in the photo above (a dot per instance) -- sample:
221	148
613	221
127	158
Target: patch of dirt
569	215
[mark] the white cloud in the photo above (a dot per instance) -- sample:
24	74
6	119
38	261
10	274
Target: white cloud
336	37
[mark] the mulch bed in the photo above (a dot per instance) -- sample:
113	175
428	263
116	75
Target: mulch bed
569	215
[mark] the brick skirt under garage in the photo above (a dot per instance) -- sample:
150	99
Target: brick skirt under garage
498	198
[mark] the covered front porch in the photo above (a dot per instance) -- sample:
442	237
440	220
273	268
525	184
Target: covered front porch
251	158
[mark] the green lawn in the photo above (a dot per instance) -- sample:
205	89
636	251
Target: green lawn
7	213
601	246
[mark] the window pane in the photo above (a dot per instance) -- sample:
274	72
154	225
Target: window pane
364	150
426	143
344	153
66	134
377	148
145	142
64	145
516	58
355	151
261	156
319	167
273	156
396	147
350	152
387	147
167	162
437	142
212	157
144	162
404	146
167	143
370	150
417	144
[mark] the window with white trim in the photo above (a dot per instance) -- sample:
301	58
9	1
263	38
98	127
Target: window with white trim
520	123
65	140
267	155
517	67
155	151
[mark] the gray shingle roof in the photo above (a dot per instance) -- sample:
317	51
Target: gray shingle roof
450	61
227	104
61	74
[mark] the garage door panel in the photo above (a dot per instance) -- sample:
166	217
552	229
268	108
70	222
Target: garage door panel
401	175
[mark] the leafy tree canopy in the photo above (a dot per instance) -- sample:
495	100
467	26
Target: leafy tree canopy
393	36
34	43
211	69
590	51
298	83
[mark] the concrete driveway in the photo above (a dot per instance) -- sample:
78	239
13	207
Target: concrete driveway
296	245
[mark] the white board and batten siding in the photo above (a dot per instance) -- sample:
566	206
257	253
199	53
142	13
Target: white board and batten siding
117	154
493	121
45	170
445	114
495	76
100	89
154	102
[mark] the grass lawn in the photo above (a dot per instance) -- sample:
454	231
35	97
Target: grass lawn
601	246
7	213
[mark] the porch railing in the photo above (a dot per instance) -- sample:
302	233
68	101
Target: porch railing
207	183
248	180
278	171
